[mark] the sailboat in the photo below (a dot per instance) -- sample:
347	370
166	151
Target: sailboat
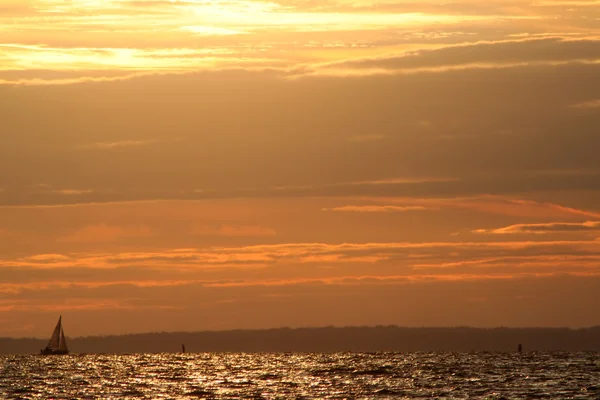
57	343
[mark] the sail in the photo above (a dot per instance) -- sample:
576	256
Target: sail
55	339
57	343
63	342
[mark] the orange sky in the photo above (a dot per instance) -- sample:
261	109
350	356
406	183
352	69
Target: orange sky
194	164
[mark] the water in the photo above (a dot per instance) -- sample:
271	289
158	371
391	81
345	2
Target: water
303	376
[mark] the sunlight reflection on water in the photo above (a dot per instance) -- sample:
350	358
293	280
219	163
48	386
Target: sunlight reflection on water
306	376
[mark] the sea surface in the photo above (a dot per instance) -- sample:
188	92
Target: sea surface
303	376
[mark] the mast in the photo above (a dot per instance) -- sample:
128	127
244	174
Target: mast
63	342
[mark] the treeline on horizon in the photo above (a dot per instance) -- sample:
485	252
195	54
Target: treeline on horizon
328	339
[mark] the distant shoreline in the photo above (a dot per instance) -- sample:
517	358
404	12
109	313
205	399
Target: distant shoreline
328	339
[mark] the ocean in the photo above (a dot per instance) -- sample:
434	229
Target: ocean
482	375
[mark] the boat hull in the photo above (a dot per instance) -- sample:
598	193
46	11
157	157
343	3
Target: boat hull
50	352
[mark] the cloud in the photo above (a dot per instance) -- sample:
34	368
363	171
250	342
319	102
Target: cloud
349	280
506	9
367	280
587	104
478	55
47	258
458	125
407	253
319	109
548	263
376	209
232	231
135	295
117	144
72	192
549	227
126	54
103	233
73	79
66	305
494	204
204	30
454	193
320	272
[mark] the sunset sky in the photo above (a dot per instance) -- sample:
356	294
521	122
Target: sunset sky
194	165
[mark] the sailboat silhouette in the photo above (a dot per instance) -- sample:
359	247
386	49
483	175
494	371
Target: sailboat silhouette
57	343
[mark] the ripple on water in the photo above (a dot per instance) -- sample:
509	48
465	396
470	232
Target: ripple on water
303	376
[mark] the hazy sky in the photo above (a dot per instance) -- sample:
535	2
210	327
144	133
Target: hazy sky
216	164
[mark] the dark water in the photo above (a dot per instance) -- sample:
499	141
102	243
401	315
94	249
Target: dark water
303	376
